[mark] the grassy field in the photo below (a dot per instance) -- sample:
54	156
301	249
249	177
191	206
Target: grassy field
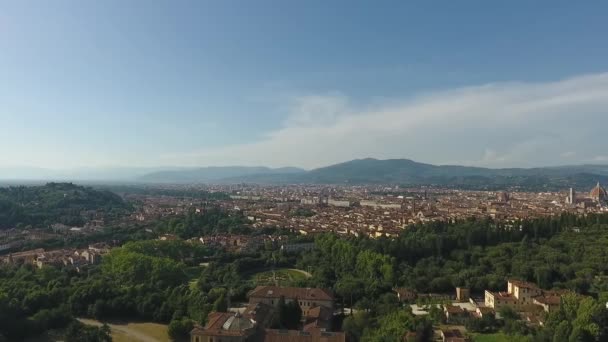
499	337
141	332
281	276
154	330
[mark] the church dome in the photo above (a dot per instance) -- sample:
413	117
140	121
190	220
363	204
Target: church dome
238	323
598	193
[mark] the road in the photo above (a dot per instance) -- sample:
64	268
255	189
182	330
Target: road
132	334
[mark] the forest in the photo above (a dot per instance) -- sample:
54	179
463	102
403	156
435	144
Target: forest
162	281
22	206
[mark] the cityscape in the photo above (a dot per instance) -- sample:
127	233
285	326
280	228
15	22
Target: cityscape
303	171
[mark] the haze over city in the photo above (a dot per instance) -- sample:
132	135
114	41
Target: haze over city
303	171
309	84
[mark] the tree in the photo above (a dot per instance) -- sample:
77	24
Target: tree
220	304
562	332
580	335
424	329
436	314
180	329
507	313
391	327
78	332
288	315
292	315
355	324
348	287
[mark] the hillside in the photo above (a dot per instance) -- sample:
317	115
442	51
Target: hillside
54	203
404	171
215	174
408	172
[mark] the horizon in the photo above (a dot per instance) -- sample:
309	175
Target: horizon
187	84
117	175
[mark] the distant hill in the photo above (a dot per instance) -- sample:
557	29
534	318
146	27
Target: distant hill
405	171
409	172
215	174
54	203
359	171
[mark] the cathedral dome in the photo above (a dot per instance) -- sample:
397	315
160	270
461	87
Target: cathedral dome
598	193
237	322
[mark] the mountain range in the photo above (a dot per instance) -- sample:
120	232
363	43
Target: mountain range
359	171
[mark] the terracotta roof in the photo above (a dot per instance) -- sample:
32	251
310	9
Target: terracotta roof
258	311
224	323
320	312
291	292
453	335
403	292
485	310
549	300
272	335
523	284
453	309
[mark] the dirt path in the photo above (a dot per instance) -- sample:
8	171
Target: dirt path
132	334
306	274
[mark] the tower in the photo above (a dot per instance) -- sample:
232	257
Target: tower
571	197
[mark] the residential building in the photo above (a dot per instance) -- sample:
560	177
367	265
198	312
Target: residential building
523	296
234	327
272	335
406	295
307	298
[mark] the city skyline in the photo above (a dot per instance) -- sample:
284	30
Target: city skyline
223	83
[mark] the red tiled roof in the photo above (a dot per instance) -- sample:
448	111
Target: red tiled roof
549	300
523	284
291	292
272	335
319	312
453	309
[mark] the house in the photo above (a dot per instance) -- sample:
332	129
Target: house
224	327
524	296
523	291
318	317
307	298
462	294
484	311
496	300
548	302
454	314
272	335
406	295
25	257
453	335
234	327
252	324
297	247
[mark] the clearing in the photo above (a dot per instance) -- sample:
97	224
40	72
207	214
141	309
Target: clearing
142	332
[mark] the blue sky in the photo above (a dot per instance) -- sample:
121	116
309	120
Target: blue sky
302	83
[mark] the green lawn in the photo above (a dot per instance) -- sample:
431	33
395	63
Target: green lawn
500	337
134	331
281	276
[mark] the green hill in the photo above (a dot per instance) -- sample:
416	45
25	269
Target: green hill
54	203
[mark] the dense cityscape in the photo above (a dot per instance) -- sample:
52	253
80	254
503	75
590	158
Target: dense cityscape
303	171
249	252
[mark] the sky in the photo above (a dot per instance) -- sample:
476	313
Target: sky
302	83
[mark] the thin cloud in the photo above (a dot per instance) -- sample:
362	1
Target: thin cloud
509	124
